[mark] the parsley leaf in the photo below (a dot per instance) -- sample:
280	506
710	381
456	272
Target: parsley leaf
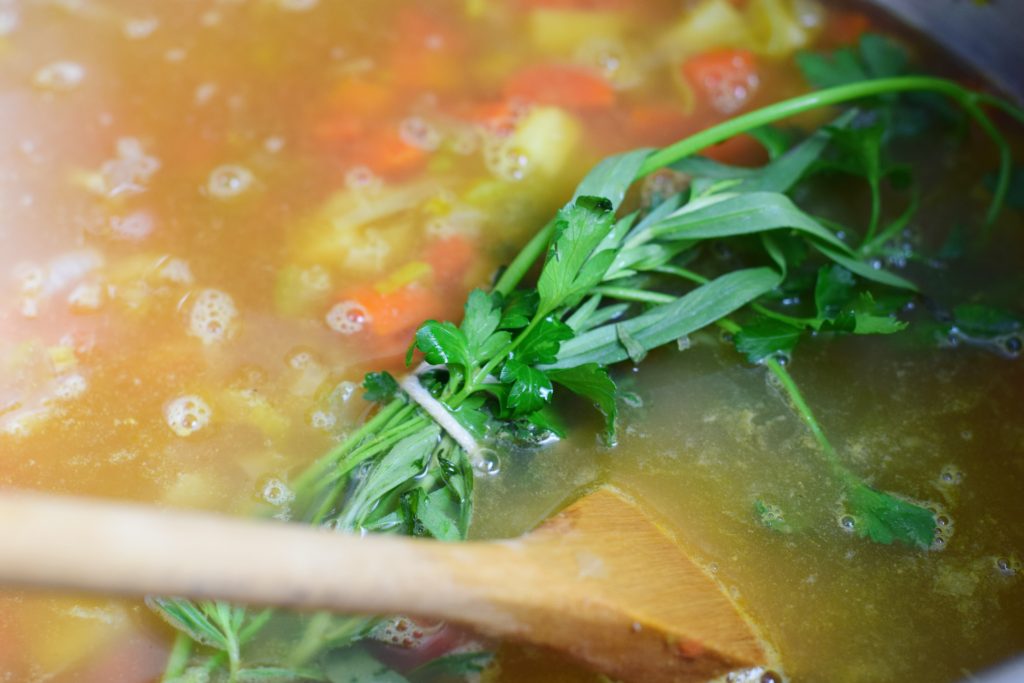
443	344
542	343
380	386
572	268
530	390
591	381
766	337
518	309
884	518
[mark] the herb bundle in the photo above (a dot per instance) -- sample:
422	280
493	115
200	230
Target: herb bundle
613	285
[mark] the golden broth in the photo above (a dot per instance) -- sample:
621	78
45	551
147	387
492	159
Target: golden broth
190	191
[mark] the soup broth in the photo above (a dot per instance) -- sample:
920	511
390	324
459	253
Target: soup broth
219	214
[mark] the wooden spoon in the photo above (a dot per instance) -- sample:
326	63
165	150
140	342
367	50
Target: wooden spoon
600	581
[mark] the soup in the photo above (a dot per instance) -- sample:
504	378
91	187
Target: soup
220	215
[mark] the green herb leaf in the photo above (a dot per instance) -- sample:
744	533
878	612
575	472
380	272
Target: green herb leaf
743	214
884	518
668	322
833	291
380	386
530	390
443	344
840	68
542	343
572	267
591	381
985	321
870	318
519	308
611	177
634	349
457	665
546	422
356	665
766	337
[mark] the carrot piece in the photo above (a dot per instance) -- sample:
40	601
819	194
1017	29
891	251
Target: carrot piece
560	85
451	258
387	154
741	150
726	79
397	311
846	28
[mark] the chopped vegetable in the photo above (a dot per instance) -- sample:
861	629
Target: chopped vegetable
561	86
726	79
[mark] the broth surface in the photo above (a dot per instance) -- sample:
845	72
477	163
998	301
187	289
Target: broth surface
218	214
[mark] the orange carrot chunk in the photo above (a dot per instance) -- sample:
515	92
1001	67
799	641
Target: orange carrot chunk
726	80
398	311
560	85
451	258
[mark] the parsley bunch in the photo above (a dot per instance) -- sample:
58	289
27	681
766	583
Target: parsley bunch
612	285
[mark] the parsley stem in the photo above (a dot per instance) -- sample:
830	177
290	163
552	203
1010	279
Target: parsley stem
744	123
523	261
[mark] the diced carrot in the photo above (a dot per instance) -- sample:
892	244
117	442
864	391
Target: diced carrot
725	79
360	97
451	258
846	28
338	128
742	150
560	85
398	311
387	154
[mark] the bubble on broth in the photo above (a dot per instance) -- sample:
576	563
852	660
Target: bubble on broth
301	358
86	297
417	132
362	179
486	461
847	523
612	59
137	28
297	5
62	76
176	271
323	420
134	227
1007	565
274	144
70	387
187	415
315	278
175	55
347	317
276	492
214	317
69	268
229	181
204	92
505	159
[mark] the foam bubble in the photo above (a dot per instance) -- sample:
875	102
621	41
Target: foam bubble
300	359
323	420
297	5
62	76
229	181
187	415
139	28
362	179
505	159
417	132
277	493
134	227
214	317
129	172
347	317
404	632
9	20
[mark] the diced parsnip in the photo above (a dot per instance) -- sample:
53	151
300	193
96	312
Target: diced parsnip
776	27
250	407
711	24
562	31
547	137
338	235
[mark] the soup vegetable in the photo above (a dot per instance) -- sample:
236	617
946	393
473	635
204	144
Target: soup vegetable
221	216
